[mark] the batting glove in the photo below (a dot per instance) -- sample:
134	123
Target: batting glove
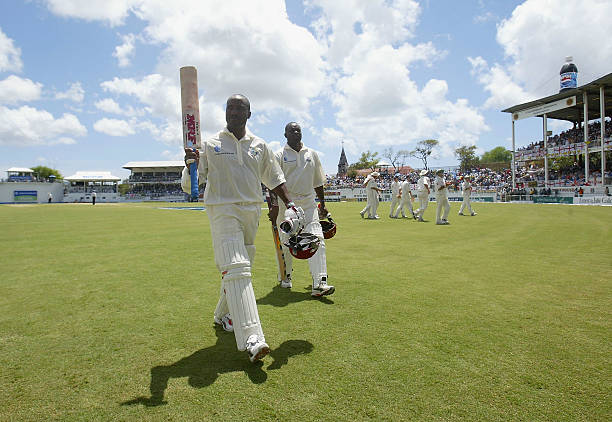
294	220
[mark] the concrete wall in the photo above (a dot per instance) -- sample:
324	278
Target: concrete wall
86	197
7	191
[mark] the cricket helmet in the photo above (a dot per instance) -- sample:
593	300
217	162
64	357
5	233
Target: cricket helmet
329	228
303	245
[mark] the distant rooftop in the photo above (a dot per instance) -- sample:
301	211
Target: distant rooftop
92	175
19	170
153	164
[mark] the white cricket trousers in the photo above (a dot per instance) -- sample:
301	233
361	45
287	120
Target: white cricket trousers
405	202
442	208
467	202
395	201
233	228
316	263
423	203
372	206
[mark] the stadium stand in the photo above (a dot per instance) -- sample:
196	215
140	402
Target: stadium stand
155	181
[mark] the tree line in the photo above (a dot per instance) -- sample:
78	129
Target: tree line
466	155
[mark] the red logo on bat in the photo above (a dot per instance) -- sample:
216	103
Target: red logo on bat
190	123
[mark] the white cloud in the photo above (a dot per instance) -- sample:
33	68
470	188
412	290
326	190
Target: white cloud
173	155
14	90
125	51
10	56
64	140
114	127
360	59
503	91
28	126
74	93
537	37
112	11
344	26
378	102
161	95
109	105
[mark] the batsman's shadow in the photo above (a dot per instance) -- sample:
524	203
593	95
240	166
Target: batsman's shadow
204	366
279	296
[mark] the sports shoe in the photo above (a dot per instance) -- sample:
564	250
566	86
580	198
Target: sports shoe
256	347
462	213
420	220
414	216
473	214
361	213
323	289
286	283
226	322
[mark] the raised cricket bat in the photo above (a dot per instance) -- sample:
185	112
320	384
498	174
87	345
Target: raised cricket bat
190	107
280	256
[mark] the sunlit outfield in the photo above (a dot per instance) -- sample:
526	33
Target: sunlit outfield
106	314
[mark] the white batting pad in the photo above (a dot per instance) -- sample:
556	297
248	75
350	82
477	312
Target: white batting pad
222	307
251	253
233	259
242	306
231	253
318	265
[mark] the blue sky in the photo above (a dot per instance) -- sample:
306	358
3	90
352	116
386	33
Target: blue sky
92	85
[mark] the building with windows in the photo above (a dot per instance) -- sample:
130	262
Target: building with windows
80	186
155	181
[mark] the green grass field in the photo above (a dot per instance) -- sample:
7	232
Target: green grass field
106	314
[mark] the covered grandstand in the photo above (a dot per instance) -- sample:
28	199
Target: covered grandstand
81	186
579	106
155	180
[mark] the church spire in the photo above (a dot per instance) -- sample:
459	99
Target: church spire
343	163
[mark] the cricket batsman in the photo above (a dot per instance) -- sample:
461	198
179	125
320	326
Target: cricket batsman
234	163
305	178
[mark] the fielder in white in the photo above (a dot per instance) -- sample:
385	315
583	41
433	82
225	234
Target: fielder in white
405	199
372	191
395	196
422	194
305	178
442	204
466	190
234	163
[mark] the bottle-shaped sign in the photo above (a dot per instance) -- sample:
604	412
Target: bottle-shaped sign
569	75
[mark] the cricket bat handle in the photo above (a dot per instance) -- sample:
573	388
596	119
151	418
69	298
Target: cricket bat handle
193	172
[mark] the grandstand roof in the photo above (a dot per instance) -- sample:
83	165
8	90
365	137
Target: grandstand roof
575	112
103	176
153	164
20	170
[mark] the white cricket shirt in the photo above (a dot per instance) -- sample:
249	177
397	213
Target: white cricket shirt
303	171
422	182
465	187
439	183
395	187
234	169
371	184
